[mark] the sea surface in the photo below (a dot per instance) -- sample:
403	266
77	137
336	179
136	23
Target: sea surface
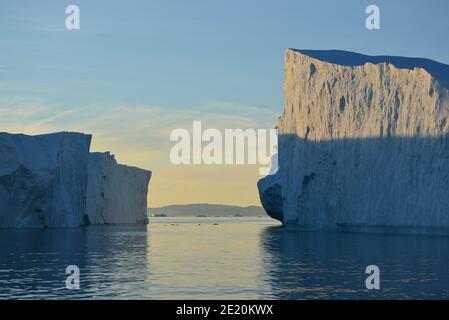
219	258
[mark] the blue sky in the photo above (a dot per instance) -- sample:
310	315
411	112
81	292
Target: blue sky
169	61
186	53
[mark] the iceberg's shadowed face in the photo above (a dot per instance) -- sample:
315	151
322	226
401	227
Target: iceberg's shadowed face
53	181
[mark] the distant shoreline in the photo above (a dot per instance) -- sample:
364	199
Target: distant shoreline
206	210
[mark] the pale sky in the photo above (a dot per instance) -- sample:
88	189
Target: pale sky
138	69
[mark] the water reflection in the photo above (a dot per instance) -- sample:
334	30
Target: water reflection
112	261
207	258
331	265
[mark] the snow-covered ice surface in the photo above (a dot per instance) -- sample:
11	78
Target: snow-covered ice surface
116	194
363	144
52	180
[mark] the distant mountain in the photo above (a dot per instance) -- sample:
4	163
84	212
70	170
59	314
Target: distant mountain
207	210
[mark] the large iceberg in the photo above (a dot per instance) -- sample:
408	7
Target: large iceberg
43	179
363	144
50	180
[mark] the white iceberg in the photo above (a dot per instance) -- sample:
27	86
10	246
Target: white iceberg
52	180
363	144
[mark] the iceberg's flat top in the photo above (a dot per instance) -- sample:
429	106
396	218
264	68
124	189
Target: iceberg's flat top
43	134
439	71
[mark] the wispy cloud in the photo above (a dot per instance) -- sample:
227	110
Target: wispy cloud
139	135
126	126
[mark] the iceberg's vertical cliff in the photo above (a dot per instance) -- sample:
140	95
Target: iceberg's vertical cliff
52	180
363	143
117	194
43	179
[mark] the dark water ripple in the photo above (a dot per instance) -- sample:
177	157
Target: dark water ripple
242	258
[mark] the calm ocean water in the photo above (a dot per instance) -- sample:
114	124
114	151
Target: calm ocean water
223	258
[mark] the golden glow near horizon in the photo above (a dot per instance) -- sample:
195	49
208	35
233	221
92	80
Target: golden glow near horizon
186	184
139	136
216	247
